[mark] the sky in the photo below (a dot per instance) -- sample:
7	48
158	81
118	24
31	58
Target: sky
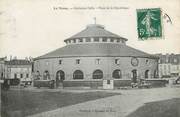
36	27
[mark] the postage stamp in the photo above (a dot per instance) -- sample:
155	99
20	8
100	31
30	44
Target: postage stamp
149	23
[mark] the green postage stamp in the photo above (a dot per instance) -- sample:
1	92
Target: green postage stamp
149	23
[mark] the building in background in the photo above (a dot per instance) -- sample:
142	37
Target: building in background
96	57
18	69
2	66
169	65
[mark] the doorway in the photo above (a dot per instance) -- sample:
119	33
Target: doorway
146	74
60	77
134	76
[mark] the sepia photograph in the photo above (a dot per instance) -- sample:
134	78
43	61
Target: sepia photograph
118	58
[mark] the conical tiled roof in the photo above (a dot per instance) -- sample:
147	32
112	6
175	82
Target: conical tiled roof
95	30
96	49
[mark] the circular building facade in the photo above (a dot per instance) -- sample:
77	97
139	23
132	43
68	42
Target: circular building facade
96	57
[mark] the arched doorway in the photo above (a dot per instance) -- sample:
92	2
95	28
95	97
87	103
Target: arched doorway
146	74
117	74
46	75
134	76
78	74
60	77
97	74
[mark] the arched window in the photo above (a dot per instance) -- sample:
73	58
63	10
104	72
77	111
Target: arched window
117	74
146	73
97	74
78	74
60	75
46	75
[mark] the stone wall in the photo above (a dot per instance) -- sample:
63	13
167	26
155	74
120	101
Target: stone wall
88	66
117	83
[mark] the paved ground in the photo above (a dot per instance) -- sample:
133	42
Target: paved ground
115	106
23	102
163	108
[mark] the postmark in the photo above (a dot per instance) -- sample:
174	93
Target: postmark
149	23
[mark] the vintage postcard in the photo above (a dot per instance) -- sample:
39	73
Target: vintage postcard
95	58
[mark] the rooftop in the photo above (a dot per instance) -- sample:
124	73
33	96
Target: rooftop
18	62
169	59
95	30
93	49
96	49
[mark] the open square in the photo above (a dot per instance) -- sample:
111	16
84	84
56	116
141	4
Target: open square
20	103
164	102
